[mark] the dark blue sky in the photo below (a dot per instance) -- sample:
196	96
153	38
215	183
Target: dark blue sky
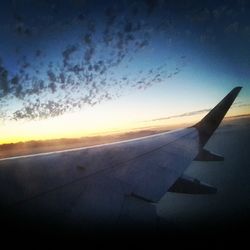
62	56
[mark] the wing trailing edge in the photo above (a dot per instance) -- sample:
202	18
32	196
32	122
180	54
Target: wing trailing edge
211	121
189	185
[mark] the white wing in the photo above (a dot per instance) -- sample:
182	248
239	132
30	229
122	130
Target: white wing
111	183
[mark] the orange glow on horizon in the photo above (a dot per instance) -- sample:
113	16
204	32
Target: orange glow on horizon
91	123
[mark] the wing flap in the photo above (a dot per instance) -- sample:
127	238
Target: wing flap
189	185
205	155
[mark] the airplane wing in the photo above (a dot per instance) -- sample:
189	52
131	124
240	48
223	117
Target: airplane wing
108	184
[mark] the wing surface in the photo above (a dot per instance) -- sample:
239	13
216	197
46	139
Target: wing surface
105	183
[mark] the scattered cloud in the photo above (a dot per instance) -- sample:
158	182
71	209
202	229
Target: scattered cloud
197	112
232	28
85	72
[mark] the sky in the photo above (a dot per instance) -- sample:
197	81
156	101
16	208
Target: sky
81	68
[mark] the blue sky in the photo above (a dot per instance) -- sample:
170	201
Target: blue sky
133	60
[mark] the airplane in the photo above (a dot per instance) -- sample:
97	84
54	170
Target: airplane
111	184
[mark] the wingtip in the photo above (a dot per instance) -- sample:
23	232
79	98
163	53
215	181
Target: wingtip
235	91
211	121
238	88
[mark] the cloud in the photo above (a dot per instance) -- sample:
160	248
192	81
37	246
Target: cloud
232	28
244	105
197	112
85	72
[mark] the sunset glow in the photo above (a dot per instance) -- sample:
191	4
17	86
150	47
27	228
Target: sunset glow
102	120
135	66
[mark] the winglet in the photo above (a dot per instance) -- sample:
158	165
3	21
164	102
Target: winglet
211	121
